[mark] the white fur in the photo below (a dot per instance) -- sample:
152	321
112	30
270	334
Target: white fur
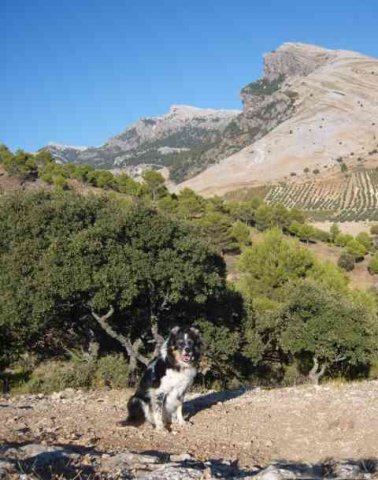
173	387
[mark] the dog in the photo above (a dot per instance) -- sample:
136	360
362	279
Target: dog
160	394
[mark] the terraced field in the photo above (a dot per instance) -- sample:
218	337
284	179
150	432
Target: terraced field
352	197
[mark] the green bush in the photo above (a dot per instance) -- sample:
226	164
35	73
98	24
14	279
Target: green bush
346	261
80	371
57	375
355	248
373	264
112	371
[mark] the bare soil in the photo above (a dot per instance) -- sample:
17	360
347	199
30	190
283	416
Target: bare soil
256	426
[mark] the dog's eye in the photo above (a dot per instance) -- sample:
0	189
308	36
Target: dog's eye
180	344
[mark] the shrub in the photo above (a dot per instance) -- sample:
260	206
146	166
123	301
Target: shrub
373	264
112	371
355	248
57	375
374	229
81	371
365	240
346	261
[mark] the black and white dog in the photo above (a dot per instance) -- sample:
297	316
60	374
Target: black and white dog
160	394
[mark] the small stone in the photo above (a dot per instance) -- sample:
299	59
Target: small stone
182	457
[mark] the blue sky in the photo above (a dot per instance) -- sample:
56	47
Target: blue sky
80	71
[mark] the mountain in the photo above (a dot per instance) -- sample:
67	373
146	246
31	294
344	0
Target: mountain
312	111
178	140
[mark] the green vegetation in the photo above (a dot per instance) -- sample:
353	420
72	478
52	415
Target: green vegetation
346	261
263	86
353	199
90	283
302	313
373	265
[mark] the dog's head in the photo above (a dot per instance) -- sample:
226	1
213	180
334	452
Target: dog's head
184	346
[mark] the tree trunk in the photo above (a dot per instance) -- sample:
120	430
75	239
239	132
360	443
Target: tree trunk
132	349
315	373
159	340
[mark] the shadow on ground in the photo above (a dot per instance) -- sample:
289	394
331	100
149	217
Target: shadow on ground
195	405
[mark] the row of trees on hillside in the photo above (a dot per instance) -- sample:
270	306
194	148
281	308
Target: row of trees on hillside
76	269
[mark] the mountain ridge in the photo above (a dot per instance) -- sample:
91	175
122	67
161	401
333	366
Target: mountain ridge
335	104
311	106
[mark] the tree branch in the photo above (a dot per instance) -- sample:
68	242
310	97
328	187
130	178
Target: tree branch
315	374
123	340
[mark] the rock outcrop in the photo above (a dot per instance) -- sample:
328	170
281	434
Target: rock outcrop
317	105
34	461
177	139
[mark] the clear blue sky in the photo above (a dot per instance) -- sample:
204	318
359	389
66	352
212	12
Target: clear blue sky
80	71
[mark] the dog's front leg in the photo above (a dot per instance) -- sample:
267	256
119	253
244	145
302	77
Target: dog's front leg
179	415
157	404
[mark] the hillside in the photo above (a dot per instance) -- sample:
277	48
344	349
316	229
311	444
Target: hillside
308	432
178	140
311	114
328	101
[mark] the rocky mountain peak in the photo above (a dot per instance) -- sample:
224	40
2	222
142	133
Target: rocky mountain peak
295	60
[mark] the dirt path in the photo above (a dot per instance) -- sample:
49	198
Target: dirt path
256	426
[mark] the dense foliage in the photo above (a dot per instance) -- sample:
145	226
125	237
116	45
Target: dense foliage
158	259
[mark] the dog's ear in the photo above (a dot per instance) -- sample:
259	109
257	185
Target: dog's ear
195	330
174	330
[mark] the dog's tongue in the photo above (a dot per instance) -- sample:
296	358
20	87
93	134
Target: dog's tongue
186	357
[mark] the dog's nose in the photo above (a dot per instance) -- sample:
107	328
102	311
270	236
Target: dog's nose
187	350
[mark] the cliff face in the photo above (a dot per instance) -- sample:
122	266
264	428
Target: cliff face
312	107
295	60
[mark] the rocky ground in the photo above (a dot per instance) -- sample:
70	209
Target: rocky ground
302	432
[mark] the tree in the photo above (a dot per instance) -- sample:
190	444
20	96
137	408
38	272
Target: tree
303	231
356	249
326	329
20	164
241	233
269	265
342	239
190	205
346	261
264	217
365	240
334	232
155	183
65	257
217	228
244	211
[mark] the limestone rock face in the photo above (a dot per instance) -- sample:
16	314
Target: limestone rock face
295	60
312	107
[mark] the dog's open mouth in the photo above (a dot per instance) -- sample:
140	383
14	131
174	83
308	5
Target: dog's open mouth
186	357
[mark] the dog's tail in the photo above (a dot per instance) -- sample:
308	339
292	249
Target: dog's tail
136	415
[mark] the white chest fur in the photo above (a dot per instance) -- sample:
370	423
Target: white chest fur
176	382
